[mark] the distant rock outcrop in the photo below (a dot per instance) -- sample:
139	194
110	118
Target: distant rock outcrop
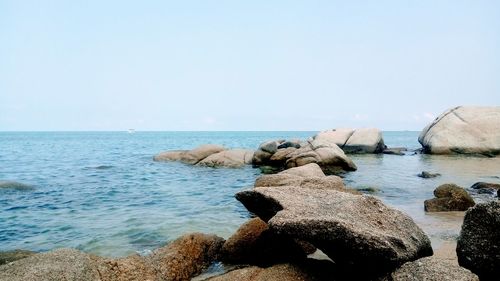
209	155
365	140
464	130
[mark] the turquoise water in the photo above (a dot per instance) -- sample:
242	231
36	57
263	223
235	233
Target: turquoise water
102	193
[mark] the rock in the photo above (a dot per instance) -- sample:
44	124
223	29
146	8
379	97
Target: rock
449	197
431	268
307	176
14	185
327	155
428	175
464	130
365	140
187	256
10	256
354	231
254	243
131	268
478	246
287	144
61	264
233	158
291	272
486	187
395	151
189	156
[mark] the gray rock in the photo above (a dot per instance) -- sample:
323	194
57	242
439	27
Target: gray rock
395	151
478	246
367	140
431	268
337	136
287	144
189	156
464	130
10	256
269	146
355	231
62	264
234	158
14	185
428	175
486	187
449	197
306	171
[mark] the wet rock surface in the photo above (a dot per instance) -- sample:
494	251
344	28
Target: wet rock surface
428	175
449	197
478	246
354	231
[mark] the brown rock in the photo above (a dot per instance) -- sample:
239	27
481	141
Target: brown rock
189	156
233	158
187	256
449	197
131	268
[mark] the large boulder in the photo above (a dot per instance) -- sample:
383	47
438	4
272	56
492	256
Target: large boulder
464	130
187	256
355	231
431	268
233	158
326	154
478	246
131	268
449	197
61	264
364	140
255	243
192	156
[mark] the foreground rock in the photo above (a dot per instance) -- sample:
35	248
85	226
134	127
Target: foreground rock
234	158
430	268
255	243
325	153
354	231
187	256
10	256
365	140
180	260
209	155
449	197
464	130
307	176
478	247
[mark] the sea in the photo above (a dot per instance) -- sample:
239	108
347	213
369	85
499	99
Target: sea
102	193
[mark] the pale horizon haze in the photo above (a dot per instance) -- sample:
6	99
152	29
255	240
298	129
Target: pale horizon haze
243	65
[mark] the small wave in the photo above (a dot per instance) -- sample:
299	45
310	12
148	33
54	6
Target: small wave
14	185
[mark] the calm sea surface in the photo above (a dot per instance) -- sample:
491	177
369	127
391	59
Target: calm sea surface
101	192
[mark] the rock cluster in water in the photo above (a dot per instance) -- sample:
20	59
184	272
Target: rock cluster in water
449	197
464	130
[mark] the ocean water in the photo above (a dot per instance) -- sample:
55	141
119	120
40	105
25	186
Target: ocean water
101	192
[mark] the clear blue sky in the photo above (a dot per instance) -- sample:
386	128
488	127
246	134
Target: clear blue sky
244	65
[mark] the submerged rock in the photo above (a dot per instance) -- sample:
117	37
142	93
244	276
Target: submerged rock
233	158
187	256
478	246
254	243
428	175
486	187
449	197
464	130
14	185
395	151
431	268
327	155
355	231
10	256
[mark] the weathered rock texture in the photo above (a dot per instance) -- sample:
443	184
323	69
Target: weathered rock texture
365	140
307	176
10	256
209	155
326	154
180	260
430	268
354	231
255	243
449	197
464	130
478	246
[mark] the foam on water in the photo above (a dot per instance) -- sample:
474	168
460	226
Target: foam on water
102	193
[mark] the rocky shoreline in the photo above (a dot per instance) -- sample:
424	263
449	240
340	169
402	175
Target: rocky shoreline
304	209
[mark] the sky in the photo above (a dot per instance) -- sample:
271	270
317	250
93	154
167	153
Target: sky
244	65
